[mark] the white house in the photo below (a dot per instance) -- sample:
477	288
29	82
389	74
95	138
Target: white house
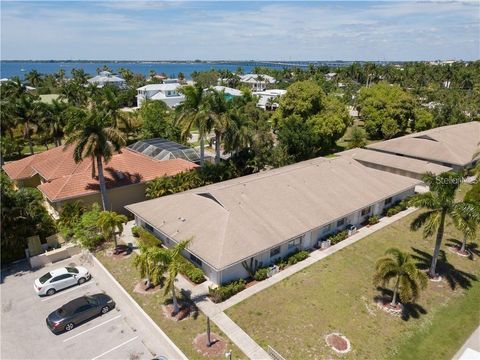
227	90
107	78
168	92
267	215
257	82
268	99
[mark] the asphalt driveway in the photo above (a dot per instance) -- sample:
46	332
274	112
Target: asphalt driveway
123	333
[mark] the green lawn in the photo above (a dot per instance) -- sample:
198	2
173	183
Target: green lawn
183	332
336	294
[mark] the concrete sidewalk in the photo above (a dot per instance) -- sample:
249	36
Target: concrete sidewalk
471	349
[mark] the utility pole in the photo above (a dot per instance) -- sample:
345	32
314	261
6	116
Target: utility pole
209	342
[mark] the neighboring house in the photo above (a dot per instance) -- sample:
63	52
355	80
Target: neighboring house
268	99
61	180
229	92
107	78
451	146
267	215
257	82
168	92
330	76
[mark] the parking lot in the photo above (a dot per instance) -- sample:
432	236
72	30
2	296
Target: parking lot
115	335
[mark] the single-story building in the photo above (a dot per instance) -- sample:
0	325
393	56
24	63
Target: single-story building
107	78
257	82
270	214
268	99
61	180
452	146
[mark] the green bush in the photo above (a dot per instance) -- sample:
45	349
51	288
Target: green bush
297	257
339	236
281	263
147	239
374	219
195	274
135	231
226	291
261	274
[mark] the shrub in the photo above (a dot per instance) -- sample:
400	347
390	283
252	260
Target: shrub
226	291
147	239
281	263
339	236
195	274
374	219
261	274
135	231
297	257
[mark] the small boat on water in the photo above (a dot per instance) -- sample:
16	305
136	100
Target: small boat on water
22	70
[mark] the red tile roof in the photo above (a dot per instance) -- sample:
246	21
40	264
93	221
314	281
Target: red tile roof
125	168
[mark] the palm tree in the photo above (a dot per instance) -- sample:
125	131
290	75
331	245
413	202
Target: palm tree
111	103
440	204
191	113
175	263
151	263
408	279
95	138
54	120
217	110
28	114
109	222
34	78
468	224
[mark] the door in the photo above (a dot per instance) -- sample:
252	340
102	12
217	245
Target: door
63	281
84	312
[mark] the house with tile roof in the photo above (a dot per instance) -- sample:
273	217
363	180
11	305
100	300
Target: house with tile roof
61	180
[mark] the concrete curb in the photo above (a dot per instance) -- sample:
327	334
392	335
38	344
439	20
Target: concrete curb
153	323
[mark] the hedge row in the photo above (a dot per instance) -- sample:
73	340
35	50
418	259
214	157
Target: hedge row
226	291
195	274
396	208
292	259
337	237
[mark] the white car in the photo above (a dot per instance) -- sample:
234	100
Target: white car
59	279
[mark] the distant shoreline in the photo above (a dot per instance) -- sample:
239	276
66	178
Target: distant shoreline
206	61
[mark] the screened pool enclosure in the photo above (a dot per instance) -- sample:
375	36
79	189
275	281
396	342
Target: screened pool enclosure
161	149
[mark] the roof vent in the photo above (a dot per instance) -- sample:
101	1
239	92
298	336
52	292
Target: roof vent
182	219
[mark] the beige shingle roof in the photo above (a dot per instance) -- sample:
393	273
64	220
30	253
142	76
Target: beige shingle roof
236	219
394	161
453	144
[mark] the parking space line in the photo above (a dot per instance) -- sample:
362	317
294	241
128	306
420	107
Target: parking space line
83	332
65	292
115	348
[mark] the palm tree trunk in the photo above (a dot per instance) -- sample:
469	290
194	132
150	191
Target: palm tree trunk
149	283
395	292
202	150
463	249
29	138
217	148
103	188
115	238
209	340
438	243
175	302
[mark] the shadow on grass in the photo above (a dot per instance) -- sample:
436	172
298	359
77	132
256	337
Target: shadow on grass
472	247
453	275
410	310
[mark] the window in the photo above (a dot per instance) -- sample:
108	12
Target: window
149	227
326	228
388	201
45	278
366	211
275	251
72	270
196	260
82	308
341	222
61	277
294	242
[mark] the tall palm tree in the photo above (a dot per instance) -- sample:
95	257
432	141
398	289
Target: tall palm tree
192	114
95	138
109	222
400	266
28	114
54	120
111	103
468	223
34	78
217	110
151	263
440	204
175	263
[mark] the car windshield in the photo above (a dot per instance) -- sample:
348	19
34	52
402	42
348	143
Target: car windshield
91	300
72	270
45	278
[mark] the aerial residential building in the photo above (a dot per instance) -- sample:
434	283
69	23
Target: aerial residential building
257	82
265	216
61	180
268	99
168	92
229	92
452	146
107	78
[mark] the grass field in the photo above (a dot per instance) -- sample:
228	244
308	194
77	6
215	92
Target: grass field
183	332
337	295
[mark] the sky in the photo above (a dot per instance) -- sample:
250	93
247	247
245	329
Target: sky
262	30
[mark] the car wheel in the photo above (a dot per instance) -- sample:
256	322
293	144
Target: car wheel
81	281
50	292
105	309
69	326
